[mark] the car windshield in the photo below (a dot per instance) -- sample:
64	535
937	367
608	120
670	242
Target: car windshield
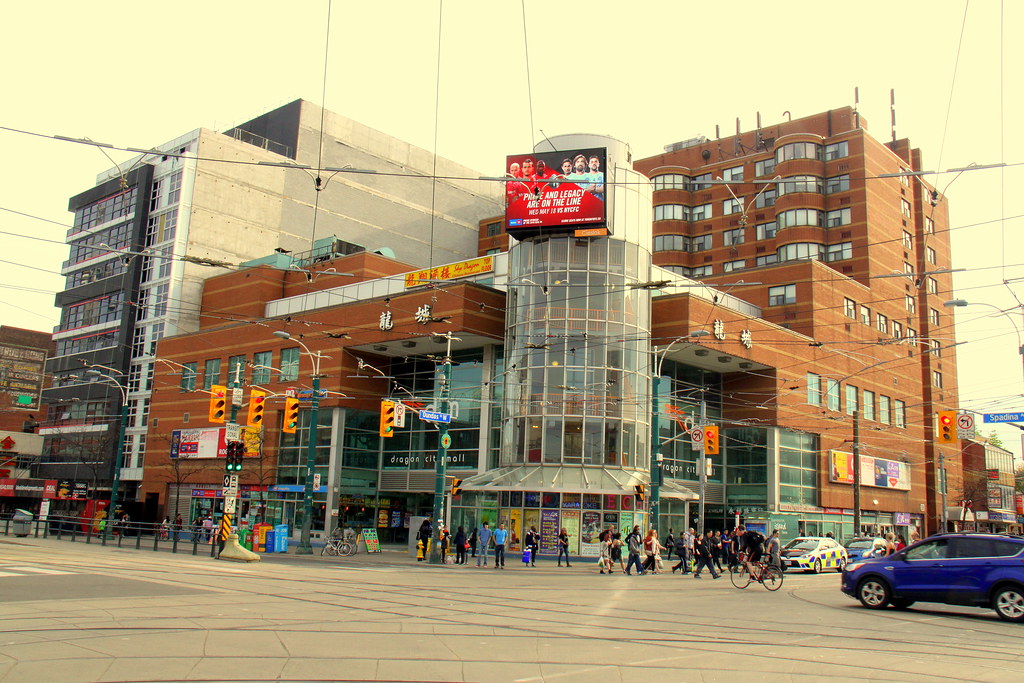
863	543
802	544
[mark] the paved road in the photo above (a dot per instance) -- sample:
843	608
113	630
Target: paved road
71	612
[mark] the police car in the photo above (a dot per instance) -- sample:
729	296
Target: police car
813	553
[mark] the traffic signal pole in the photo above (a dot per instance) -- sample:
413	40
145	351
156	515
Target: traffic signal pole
441	466
229	547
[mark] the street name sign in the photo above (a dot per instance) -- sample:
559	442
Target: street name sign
431	416
1004	417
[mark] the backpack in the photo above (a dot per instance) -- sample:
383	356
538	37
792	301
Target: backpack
680	546
634	543
756	537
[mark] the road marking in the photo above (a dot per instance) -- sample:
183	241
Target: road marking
37	570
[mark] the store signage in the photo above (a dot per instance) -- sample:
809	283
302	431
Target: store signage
28	488
371	540
452	271
555	191
294	488
877	472
901	518
22	374
1003	417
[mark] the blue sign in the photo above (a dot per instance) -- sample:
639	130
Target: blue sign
307	394
431	416
1004	417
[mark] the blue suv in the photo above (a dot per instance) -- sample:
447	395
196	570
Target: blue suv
980	570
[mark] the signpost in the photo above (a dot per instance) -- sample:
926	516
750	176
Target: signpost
431	416
371	540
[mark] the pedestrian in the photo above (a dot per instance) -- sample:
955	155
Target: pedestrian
461	545
635	544
426	530
775	549
890	544
500	536
652	549
485	540
702	551
716	550
681	554
197	529
604	561
563	547
472	542
670	544
900	543
208	529
444	537
533	544
165	528
688	540
179	523
615	552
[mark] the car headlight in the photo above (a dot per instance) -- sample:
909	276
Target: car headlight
854	566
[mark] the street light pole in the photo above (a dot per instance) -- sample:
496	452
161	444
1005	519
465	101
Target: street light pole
119	451
305	546
856	471
443	441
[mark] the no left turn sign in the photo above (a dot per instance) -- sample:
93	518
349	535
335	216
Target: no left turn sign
697	436
965	421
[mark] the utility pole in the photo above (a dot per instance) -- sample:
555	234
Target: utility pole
942	490
656	474
856	471
703	464
443	442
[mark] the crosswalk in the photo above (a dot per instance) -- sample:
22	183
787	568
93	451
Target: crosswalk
24	570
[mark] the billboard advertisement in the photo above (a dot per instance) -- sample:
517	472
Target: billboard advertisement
877	472
210	442
555	191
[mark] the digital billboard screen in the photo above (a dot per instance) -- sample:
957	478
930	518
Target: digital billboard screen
555	191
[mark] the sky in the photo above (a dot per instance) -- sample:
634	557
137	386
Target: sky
139	74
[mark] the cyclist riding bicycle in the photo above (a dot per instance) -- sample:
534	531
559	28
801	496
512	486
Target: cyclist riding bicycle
752	543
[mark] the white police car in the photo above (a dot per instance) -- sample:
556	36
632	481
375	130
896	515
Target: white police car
813	553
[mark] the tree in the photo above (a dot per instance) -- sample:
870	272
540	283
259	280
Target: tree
973	488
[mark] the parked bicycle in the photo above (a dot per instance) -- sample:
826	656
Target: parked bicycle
767	575
342	542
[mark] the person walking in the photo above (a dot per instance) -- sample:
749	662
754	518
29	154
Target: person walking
472	542
652	550
563	547
461	543
775	549
605	560
615	552
179	523
485	540
208	529
716	550
635	544
500	536
670	545
426	530
702	551
688	541
681	554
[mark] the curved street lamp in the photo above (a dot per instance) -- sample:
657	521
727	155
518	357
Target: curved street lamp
119	453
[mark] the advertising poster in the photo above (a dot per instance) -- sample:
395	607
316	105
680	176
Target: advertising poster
531	518
589	534
611	521
877	472
198	443
571	522
555	191
626	519
841	467
549	532
515	528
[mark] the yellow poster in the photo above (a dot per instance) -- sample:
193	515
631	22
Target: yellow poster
531	518
571	522
515	528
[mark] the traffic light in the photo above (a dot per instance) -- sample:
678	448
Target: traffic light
291	415
235	454
456	487
639	493
256	406
947	426
387	418
711	446
218	403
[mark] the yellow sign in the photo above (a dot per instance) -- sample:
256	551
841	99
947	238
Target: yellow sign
453	271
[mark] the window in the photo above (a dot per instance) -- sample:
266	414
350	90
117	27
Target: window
911	304
732	237
839	252
211	373
837	218
868	411
839	183
929	226
798	468
933	316
735	173
731	206
837	150
766	260
929	550
899	416
763	168
930	255
730	266
897	330
700	243
908	240
905	208
766	198
800	251
882	322
851	399
794	217
865	315
289	365
236	369
911	335
936	379
493	229
765	231
908	269
700	213
174	188
798	150
671	181
850	308
933	286
832	392
671	243
782	294
701	182
671	212
813	389
261	361
800	183
188	377
700	271
884	404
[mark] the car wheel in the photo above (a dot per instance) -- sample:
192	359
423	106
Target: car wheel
1009	603
901	603
874	593
817	566
841	566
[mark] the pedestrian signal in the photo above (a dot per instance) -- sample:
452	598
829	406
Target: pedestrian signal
291	416
235	454
711	446
257	400
387	418
947	426
218	403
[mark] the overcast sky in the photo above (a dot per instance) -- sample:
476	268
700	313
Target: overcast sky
139	74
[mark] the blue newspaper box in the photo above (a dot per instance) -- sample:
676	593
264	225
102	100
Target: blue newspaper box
269	545
281	538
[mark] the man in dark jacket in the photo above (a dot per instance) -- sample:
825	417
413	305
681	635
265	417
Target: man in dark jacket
635	544
702	549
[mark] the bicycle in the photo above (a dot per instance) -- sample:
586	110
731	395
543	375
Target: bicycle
767	575
342	542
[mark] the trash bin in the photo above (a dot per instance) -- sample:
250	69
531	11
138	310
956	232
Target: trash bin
268	544
243	539
21	522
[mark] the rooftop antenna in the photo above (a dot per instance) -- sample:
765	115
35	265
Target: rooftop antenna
856	107
892	111
758	138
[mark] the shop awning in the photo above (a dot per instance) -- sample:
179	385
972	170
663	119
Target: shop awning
559	478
